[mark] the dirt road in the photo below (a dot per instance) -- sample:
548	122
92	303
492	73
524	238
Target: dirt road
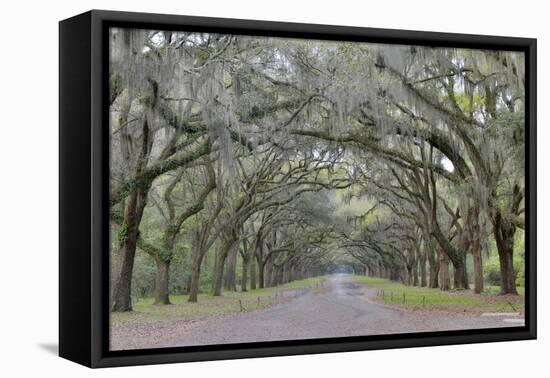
340	308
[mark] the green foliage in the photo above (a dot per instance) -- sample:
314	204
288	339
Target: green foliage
143	279
463	101
206	279
203	54
492	273
283	116
435	299
122	233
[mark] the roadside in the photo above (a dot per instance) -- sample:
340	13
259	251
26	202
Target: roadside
209	306
454	301
335	306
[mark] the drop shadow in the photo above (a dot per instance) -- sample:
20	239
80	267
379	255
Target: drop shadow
51	348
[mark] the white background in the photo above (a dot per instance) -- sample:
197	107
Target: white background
29	186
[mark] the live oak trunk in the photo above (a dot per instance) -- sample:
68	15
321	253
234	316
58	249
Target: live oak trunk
162	281
122	288
430	255
434	267
476	251
199	253
261	280
230	281
444	277
455	255
415	265
423	274
195	277
252	273
217	282
269	272
460	272
291	273
261	265
244	276
459	275
278	277
285	273
466	276
187	289
504	232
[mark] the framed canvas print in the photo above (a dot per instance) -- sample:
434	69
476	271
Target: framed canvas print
233	188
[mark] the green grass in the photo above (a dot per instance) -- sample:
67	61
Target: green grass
209	306
435	299
495	290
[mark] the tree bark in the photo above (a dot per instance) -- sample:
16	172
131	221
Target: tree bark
504	232
476	251
444	277
280	270
217	282
162	282
269	272
455	255
423	275
291	273
122	288
195	277
261	265
466	278
196	268
434	267
415	265
478	267
195	281
200	250
230	283
244	277
261	278
459	275
252	273
430	255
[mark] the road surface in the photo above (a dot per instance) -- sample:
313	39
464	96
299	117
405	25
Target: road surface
340	308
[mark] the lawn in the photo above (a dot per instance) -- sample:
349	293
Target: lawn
435	299
209	306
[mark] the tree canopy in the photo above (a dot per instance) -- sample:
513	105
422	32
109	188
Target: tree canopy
299	157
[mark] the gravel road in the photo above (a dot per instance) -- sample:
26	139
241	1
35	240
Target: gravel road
340	308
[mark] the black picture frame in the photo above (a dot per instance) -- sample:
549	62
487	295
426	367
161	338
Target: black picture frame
83	196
